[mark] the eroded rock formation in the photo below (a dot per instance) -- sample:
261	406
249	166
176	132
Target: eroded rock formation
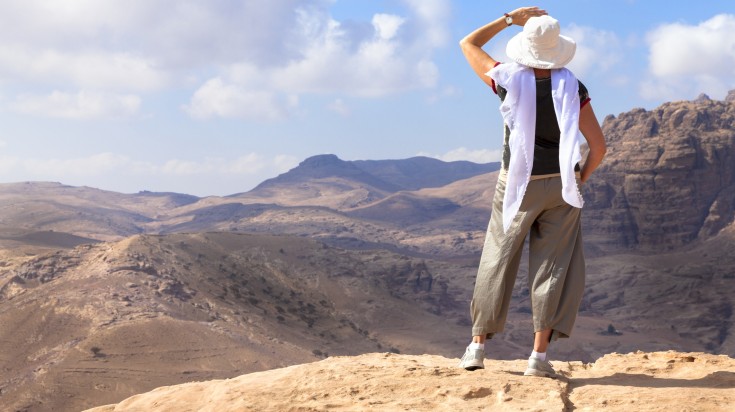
668	178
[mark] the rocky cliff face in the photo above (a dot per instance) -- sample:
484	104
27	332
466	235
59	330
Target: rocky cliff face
668	178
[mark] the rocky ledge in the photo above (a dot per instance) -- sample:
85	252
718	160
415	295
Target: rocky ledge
659	381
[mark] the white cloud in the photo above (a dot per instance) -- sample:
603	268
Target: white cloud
96	164
328	56
445	92
284	163
598	51
179	167
688	60
111	163
81	105
432	16
248	164
387	25
210	175
99	70
218	98
177	33
294	47
678	49
462	153
334	62
137	46
340	107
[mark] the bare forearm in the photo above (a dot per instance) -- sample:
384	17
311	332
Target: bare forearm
479	60
590	128
472	44
594	158
481	36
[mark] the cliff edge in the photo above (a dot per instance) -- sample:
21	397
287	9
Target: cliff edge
658	381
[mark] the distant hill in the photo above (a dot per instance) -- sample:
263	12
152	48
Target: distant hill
50	239
326	180
30	207
102	322
386	175
326	166
424	172
351	204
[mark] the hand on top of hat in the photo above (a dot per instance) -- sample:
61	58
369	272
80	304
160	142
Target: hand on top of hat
521	15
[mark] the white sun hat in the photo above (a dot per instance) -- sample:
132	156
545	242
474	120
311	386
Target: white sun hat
540	45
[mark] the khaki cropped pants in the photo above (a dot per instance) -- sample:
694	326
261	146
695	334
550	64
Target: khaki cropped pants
556	269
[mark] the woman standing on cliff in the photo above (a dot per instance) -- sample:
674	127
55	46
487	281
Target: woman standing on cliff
544	108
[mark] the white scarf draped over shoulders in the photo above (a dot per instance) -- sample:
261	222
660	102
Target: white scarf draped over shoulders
519	113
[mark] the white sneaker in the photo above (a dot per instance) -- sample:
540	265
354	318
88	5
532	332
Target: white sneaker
473	359
538	367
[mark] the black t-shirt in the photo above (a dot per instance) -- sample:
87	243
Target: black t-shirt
546	148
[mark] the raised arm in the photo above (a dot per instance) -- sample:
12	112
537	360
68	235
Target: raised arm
479	60
590	128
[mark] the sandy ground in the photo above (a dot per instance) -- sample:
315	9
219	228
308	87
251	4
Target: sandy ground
659	381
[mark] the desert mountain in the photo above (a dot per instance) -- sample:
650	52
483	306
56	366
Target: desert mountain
343	258
326	180
385	175
101	322
312	199
323	180
447	221
423	172
83	211
660	381
668	178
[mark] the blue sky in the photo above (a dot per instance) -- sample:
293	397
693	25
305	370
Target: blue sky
211	98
